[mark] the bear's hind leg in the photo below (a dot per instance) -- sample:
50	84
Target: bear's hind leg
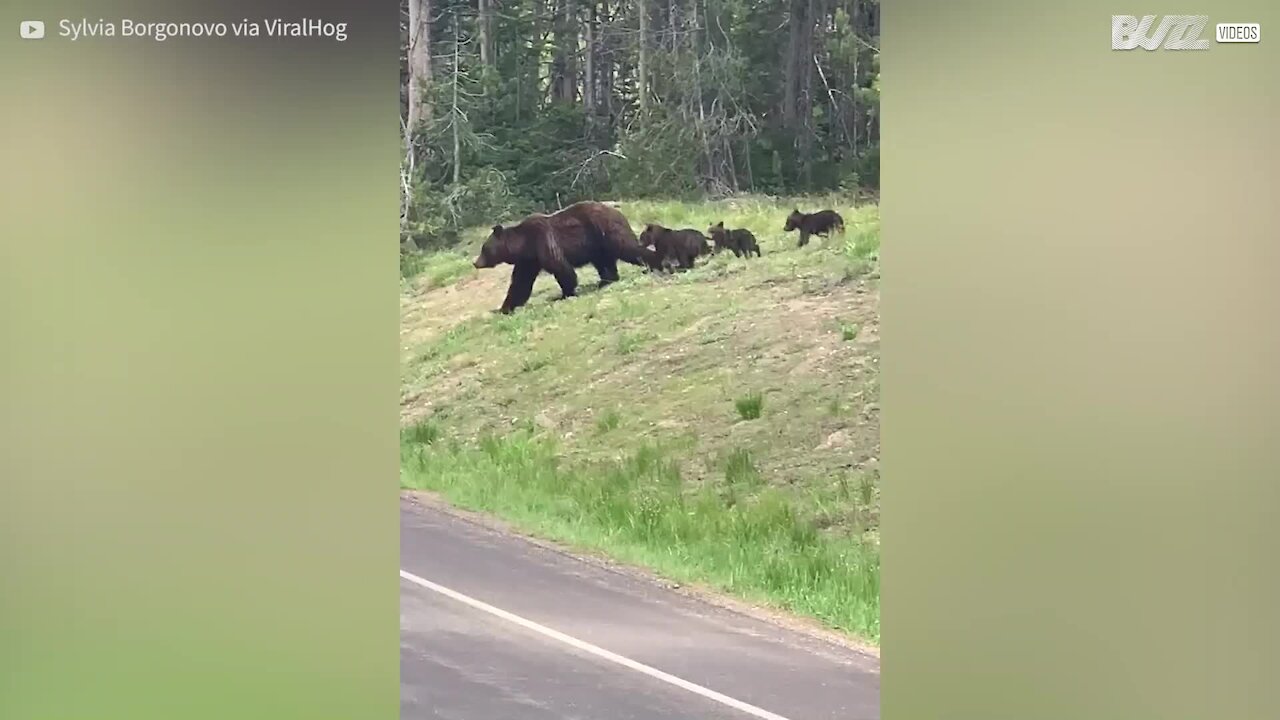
686	259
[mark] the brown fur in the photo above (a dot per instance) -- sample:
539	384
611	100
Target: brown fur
675	248
739	241
822	223
585	233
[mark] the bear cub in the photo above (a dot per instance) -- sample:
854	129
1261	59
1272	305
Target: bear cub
739	240
819	223
675	248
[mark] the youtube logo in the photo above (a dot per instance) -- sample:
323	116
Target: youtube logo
31	29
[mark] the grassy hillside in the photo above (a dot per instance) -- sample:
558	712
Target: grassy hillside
720	426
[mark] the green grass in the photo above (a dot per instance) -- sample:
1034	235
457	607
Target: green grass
420	434
862	244
750	406
740	470
411	265
631	342
609	421
435	269
763	547
534	364
632	420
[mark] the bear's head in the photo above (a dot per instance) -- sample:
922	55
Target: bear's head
717	230
502	245
793	221
650	234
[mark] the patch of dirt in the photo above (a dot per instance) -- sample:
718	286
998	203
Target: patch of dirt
837	440
426	313
423	403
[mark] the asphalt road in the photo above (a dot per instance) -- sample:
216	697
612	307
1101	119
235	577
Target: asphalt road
493	627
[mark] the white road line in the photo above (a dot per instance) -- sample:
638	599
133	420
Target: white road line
592	649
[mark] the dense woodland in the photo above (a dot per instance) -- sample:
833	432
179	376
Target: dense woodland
512	106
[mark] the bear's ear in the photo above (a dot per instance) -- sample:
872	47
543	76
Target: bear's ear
497	228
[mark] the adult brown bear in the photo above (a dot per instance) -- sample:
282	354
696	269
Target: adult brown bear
585	233
677	248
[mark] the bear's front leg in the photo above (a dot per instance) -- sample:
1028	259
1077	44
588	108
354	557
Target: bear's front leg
521	289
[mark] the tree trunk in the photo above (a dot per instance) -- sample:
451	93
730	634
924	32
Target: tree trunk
796	100
642	72
484	22
456	112
565	77
697	90
419	66
797	61
804	110
589	78
612	62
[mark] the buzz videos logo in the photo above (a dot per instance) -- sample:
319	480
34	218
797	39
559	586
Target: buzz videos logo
1176	32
